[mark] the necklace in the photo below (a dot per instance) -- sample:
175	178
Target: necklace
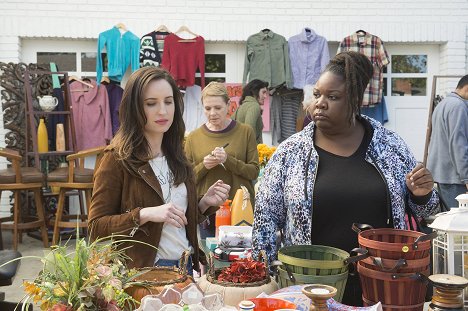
164	176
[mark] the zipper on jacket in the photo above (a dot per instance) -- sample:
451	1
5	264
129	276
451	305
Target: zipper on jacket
389	206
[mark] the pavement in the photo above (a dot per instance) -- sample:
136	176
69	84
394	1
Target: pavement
28	269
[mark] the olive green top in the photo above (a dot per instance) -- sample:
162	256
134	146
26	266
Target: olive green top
241	166
249	113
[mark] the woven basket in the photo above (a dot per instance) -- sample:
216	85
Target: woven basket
395	243
154	280
400	266
309	264
336	280
396	291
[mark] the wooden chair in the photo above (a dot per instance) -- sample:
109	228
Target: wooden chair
73	177
17	179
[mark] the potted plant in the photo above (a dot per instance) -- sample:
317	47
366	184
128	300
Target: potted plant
93	276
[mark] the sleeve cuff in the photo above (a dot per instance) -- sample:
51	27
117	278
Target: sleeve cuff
423	200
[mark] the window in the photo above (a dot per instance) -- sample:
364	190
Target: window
215	69
407	75
88	61
64	61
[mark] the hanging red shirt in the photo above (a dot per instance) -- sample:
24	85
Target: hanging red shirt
182	58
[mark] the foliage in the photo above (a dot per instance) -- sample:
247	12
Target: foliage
244	270
264	153
92	277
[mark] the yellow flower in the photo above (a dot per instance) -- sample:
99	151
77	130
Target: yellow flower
264	153
60	289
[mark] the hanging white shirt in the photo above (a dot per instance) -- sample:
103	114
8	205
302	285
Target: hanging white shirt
193	114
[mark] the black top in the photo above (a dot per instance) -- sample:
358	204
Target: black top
347	190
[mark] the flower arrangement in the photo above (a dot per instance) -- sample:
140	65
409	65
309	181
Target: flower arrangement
264	154
92	277
244	270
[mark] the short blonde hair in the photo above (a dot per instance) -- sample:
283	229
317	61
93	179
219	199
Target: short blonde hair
215	89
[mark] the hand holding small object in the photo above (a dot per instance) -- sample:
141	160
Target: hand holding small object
220	154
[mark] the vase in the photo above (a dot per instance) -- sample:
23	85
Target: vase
60	138
42	137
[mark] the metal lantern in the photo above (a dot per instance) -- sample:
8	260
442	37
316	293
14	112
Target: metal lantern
450	251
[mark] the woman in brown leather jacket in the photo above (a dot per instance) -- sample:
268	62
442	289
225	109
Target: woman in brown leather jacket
144	186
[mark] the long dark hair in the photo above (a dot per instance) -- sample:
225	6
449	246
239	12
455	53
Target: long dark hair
252	88
356	71
130	144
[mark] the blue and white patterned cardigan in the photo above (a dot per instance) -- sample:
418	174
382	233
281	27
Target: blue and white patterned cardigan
281	203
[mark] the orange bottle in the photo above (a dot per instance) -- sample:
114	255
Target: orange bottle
223	216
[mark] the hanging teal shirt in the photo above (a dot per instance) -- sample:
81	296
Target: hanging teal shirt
122	50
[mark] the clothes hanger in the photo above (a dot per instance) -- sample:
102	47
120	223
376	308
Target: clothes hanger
105	80
121	26
75	78
361	32
265	30
162	28
184	28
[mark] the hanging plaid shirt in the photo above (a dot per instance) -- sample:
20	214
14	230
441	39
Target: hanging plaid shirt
373	48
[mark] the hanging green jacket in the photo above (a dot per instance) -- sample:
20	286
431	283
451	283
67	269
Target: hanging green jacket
249	113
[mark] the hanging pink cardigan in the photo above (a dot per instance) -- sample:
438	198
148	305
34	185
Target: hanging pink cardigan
91	115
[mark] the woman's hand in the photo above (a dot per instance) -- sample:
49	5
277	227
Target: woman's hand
215	196
220	154
216	157
167	213
419	181
210	161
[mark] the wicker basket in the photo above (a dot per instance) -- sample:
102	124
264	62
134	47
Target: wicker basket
309	264
392	272
395	243
153	279
396	291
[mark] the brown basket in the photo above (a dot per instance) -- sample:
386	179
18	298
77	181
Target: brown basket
153	279
396	291
400	265
395	243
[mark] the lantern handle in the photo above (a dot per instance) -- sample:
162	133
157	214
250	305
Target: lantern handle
423	238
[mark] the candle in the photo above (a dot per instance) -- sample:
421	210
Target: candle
319	291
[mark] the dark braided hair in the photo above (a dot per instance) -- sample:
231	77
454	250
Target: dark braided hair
356	71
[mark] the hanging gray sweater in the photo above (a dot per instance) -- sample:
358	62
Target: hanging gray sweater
448	149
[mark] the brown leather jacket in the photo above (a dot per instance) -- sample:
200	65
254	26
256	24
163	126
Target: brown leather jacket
118	197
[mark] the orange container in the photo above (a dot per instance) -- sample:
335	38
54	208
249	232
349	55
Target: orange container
223	216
